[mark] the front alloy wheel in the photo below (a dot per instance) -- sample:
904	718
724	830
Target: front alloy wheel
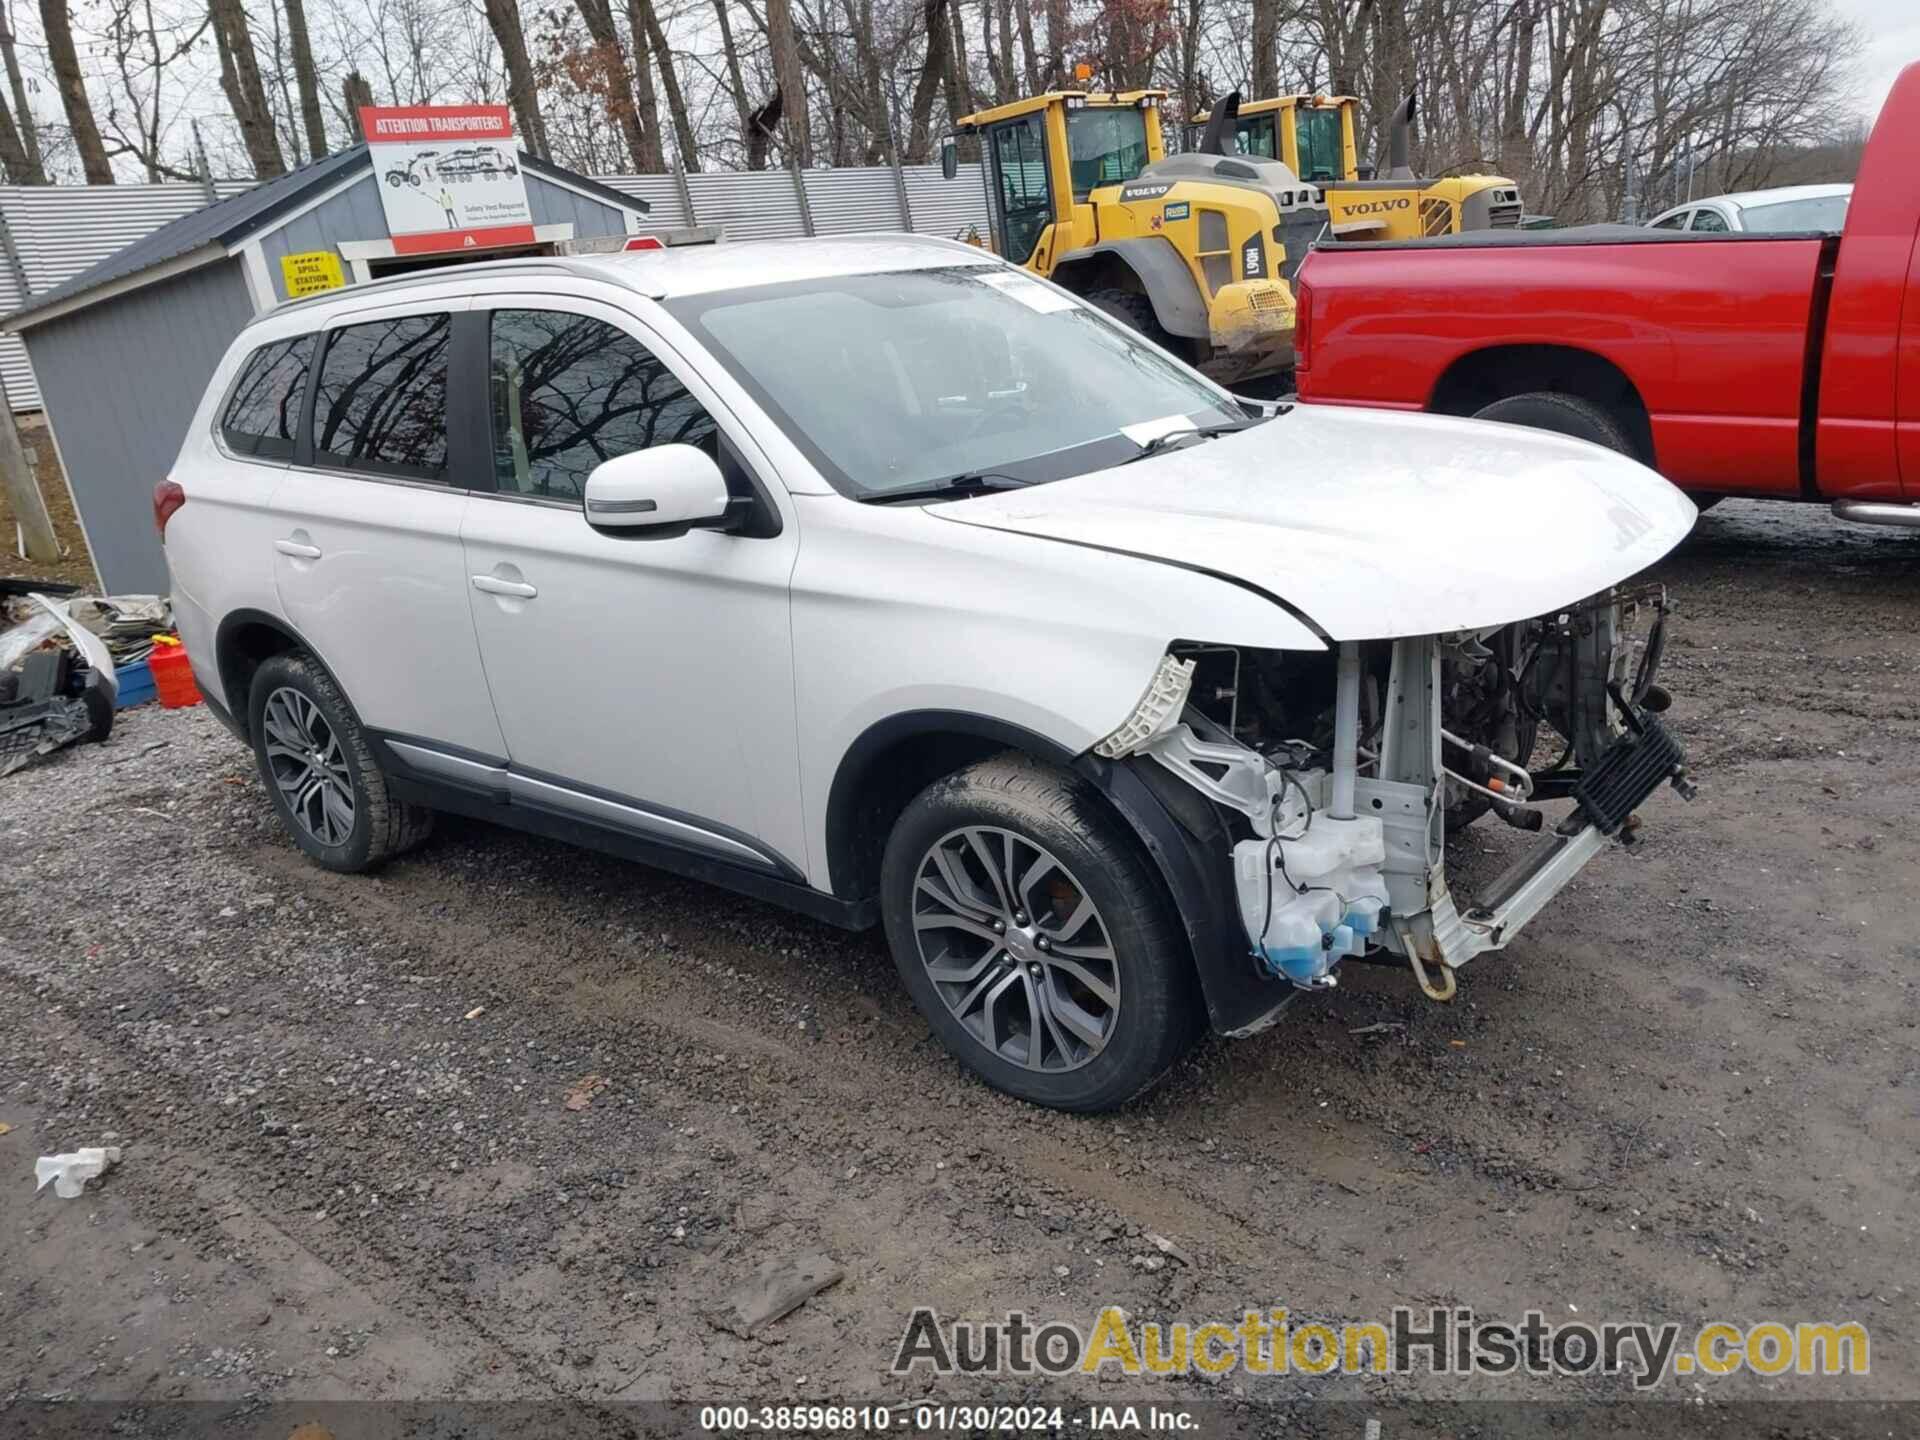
1016	949
1032	930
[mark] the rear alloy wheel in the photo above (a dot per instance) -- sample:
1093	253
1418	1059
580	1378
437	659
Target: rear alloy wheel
320	771
1035	936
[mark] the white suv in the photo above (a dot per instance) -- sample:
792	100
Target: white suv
882	580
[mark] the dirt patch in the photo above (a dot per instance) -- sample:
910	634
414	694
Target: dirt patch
1687	1093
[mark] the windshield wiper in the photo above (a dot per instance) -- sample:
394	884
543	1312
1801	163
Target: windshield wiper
1160	444
952	487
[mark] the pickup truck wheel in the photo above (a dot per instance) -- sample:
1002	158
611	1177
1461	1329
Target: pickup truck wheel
1563	415
1035	937
320	771
1135	311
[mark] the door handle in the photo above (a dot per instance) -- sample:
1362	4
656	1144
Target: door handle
494	585
297	550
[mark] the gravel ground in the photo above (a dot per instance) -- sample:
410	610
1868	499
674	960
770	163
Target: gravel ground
352	1170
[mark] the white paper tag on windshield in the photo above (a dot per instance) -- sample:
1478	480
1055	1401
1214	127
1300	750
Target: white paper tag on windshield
1145	432
1029	291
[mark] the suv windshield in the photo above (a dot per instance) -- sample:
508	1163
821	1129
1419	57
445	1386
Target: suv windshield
895	381
1106	145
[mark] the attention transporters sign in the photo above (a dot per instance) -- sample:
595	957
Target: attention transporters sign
449	176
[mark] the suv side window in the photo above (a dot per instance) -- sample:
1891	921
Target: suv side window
381	402
262	415
1707	218
569	391
1671	222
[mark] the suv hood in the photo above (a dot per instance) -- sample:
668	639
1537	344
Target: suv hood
1371	524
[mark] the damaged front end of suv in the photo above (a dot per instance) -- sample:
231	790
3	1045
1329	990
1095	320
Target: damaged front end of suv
1334	778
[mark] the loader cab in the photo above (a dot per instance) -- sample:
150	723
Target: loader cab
1312	135
1043	157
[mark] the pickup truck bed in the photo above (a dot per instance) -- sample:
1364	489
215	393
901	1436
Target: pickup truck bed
1778	366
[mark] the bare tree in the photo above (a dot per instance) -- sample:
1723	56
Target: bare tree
246	95
306	78
34	170
57	26
792	82
503	17
643	18
143	49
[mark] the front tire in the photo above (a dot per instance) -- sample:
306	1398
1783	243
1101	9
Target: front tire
1035	937
319	769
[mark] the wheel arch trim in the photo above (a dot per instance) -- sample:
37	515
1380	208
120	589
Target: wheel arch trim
240	707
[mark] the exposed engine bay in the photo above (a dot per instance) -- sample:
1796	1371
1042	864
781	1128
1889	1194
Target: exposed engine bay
1339	775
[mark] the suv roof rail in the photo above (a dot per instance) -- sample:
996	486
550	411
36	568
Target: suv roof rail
532	264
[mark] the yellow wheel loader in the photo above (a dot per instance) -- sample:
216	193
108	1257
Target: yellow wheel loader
1313	135
1188	249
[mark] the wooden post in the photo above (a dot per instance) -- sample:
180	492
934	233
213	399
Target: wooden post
23	496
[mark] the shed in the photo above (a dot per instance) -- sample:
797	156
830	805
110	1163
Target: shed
123	351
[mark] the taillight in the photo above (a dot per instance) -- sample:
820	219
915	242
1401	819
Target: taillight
1302	321
167	498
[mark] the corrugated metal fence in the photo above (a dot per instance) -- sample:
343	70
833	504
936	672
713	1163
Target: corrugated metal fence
57	231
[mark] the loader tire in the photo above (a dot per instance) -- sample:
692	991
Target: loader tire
1135	311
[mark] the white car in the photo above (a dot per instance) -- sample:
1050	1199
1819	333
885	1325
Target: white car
1789	209
882	580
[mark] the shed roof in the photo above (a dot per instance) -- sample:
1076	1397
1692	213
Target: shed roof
230	222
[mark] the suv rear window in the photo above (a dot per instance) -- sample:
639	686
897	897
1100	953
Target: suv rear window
263	408
381	405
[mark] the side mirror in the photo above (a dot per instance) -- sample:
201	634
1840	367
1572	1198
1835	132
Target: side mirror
949	156
665	487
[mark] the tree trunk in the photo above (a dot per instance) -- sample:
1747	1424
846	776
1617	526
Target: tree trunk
736	85
632	104
357	94
792	81
642	16
1023	12
1008	77
246	96
36	170
503	18
312	119
1058	67
959	78
1266	37
57	25
933	69
14	160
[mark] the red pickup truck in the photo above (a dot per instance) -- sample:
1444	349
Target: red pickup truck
1776	366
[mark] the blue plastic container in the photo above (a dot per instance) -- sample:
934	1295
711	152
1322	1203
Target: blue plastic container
136	685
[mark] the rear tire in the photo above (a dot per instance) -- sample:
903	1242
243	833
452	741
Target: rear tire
1015	903
320	771
1563	415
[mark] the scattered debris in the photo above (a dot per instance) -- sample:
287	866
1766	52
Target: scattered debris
71	1172
1381	1027
1167	1247
476	1012
581	1095
778	1288
5	1129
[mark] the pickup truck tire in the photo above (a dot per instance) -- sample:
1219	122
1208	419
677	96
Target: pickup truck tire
1015	902
1135	311
1563	415
358	825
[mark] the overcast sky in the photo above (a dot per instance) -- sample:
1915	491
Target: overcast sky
1892	29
